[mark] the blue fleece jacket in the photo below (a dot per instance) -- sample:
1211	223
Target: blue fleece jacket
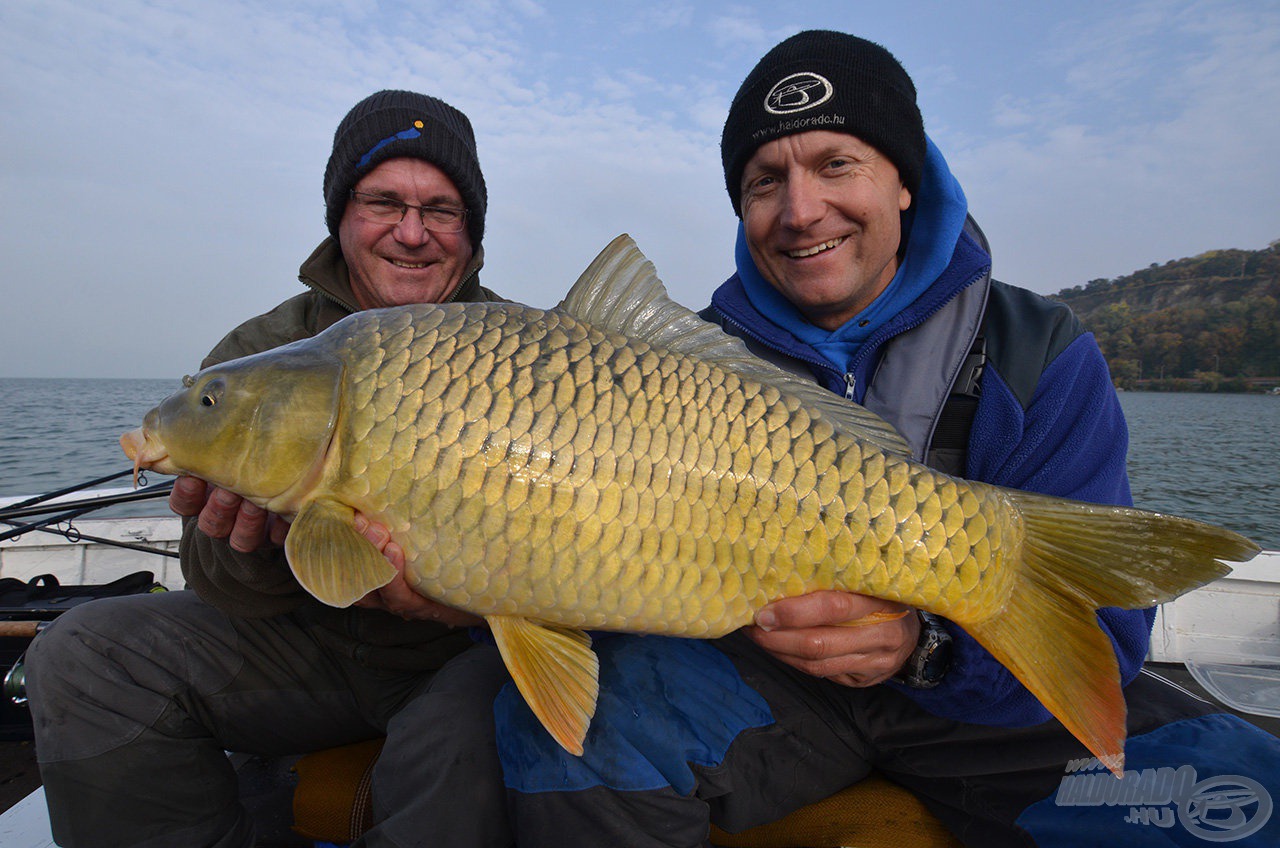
1068	440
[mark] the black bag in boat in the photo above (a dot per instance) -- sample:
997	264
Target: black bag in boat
25	606
43	598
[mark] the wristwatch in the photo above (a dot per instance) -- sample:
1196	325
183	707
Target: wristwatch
929	662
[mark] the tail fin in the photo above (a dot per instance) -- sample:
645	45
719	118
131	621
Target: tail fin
1077	558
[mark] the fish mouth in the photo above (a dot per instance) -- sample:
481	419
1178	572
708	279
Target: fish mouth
146	452
816	249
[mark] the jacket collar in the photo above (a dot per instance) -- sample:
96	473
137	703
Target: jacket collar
969	262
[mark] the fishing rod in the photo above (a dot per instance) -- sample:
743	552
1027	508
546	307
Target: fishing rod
71	534
68	490
69	510
34	506
75	509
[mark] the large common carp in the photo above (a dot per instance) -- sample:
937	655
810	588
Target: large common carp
617	463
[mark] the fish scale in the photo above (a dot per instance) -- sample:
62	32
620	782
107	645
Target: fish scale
617	463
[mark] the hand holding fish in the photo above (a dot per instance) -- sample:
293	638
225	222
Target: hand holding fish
396	597
854	640
225	515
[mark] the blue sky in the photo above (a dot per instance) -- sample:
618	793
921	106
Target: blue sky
161	162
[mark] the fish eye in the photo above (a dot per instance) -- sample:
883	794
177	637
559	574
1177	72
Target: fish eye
212	393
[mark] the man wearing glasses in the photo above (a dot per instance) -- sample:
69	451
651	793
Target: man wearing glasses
136	699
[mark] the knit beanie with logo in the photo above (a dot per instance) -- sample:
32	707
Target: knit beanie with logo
823	80
391	124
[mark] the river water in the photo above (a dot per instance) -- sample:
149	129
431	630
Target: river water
1206	456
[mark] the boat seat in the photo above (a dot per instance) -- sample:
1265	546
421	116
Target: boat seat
332	803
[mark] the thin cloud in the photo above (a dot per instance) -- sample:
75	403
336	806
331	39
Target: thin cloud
1137	157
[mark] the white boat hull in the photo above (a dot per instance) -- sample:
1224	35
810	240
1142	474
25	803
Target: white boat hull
37	552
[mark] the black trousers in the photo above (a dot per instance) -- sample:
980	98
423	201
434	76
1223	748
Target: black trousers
136	700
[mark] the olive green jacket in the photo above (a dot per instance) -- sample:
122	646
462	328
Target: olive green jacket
260	584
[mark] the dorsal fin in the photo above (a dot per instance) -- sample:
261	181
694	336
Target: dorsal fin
620	293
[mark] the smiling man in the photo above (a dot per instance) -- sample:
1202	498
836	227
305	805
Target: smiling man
134	702
858	266
405	202
823	222
403	235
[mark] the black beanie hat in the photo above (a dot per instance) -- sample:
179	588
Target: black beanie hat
823	80
390	124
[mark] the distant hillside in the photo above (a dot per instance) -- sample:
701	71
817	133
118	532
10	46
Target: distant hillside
1207	323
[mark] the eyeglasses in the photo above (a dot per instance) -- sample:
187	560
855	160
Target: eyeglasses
380	209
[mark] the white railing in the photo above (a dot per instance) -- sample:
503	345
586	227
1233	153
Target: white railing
82	562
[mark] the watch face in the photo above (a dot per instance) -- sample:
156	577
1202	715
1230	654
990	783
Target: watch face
937	660
929	662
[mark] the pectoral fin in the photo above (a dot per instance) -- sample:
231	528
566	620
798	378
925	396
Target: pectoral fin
330	559
555	670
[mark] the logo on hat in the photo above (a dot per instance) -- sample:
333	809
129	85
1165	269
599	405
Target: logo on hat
414	131
798	92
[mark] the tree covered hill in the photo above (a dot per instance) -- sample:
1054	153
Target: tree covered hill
1207	323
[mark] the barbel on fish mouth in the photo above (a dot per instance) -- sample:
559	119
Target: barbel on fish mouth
617	463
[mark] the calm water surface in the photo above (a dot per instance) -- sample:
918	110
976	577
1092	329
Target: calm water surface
1211	457
58	433
1208	456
